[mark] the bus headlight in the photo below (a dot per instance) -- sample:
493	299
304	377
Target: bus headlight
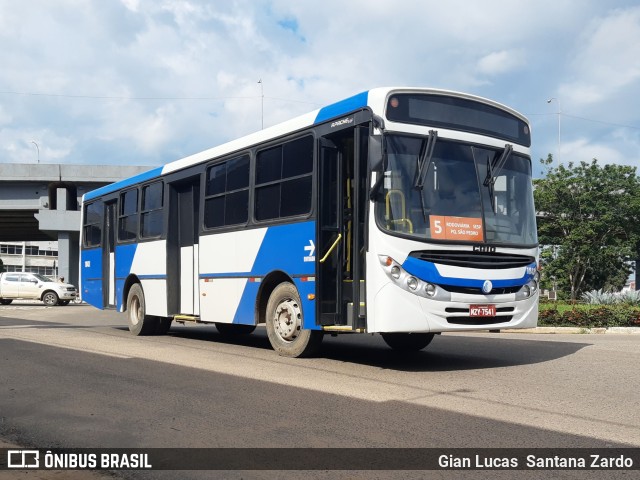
395	272
411	283
528	289
430	289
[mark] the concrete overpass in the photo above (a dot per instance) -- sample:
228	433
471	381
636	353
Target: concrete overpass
42	202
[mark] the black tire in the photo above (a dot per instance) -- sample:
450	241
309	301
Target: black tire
284	324
234	329
5	301
63	302
407	342
50	298
139	322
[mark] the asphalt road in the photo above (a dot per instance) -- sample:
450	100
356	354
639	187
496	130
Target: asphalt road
74	377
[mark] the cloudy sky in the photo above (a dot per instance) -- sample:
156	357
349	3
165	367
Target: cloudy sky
149	81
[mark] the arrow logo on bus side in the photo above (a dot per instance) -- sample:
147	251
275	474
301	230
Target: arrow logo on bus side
311	248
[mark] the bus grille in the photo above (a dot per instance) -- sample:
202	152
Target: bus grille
478	291
458	258
479	320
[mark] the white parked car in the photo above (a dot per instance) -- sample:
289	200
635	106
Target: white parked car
32	286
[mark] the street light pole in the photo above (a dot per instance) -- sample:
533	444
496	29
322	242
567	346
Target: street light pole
38	149
261	104
559	115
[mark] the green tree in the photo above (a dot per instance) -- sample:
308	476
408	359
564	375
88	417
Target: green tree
588	215
1	266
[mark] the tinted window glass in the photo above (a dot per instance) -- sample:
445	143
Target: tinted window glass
227	193
217	179
151	224
297	157
214	212
237	208
269	165
237	173
151	217
268	202
128	218
296	197
93	213
129	202
282	197
152	196
93	219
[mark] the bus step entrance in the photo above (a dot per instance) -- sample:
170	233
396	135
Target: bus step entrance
186	318
359	322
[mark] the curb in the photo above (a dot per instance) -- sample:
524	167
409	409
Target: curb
578	330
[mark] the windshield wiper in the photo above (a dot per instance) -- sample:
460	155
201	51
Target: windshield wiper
424	162
493	171
425	159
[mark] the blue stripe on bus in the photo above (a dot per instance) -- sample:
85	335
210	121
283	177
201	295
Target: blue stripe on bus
227	275
127	182
343	107
428	272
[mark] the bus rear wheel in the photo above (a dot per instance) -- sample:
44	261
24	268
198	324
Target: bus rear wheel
284	324
407	342
139	322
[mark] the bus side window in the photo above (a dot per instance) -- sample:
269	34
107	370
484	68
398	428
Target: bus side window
283	180
93	219
151	210
128	215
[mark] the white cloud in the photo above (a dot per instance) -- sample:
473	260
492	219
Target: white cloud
585	149
607	59
497	63
307	53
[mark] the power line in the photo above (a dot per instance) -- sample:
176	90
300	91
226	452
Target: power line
622	125
115	97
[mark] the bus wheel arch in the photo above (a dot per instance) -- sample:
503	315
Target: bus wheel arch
129	282
268	285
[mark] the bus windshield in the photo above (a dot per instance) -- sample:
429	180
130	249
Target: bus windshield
458	193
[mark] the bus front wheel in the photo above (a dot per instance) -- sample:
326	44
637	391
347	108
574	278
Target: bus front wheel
407	342
139	322
284	324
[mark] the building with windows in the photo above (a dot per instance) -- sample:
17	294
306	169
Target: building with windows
32	257
39	213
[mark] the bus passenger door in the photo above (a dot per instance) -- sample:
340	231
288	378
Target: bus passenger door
340	248
182	258
108	257
329	247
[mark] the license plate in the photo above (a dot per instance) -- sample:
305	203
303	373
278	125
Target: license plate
482	311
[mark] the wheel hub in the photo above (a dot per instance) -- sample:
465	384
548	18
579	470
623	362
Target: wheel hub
287	320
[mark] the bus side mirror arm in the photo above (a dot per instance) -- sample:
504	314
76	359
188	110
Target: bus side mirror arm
376	157
376	152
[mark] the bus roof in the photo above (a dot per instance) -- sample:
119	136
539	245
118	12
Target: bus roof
374	98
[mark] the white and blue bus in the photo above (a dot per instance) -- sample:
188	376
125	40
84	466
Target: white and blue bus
400	211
